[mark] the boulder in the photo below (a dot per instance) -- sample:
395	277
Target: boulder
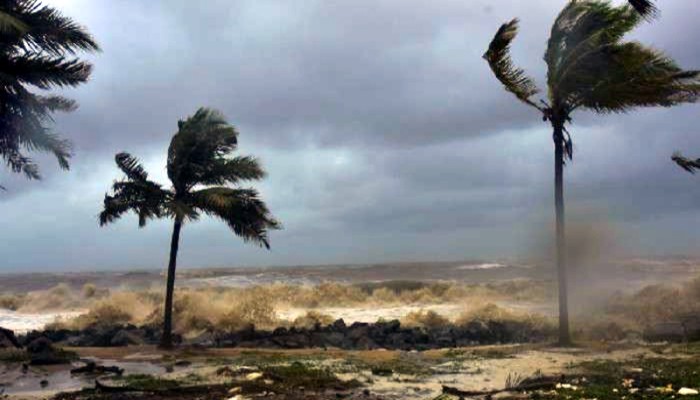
126	338
42	352
8	340
339	325
665	331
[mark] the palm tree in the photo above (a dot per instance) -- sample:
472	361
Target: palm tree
687	164
201	172
37	52
589	67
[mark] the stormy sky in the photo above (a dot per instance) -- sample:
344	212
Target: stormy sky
384	133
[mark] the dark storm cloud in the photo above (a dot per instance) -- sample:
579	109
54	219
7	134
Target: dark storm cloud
384	133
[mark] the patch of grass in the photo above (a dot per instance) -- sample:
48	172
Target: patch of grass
14	356
148	383
649	378
294	377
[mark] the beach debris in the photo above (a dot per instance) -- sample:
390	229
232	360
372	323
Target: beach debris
566	386
91	367
687	392
537	382
238	397
665	389
254	376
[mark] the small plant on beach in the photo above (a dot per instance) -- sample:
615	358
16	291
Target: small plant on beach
205	180
590	67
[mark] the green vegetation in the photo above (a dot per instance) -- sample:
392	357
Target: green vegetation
657	378
14	356
201	170
590	67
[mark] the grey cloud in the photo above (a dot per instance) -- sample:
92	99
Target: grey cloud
383	131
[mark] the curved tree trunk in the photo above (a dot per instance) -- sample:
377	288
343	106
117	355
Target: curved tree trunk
564	335
166	340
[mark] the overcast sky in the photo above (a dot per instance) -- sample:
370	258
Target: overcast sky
385	136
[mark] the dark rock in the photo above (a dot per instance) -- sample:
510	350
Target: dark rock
665	331
126	338
691	327
339	325
8	339
42	352
40	345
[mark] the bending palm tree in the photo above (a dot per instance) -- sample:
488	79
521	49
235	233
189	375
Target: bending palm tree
37	45
589	67
198	158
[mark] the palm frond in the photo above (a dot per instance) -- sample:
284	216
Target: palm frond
625	76
44	141
645	8
241	209
686	163
136	193
17	162
202	140
131	167
35	41
50	31
44	72
10	24
499	59
580	31
23	128
232	171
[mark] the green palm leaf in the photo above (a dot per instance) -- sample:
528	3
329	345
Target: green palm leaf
241	209
498	57
35	44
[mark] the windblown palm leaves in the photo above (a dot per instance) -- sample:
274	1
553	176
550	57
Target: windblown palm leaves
205	180
687	164
591	67
37	51
197	158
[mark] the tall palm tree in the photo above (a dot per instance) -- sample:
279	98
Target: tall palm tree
202	172
37	52
589	67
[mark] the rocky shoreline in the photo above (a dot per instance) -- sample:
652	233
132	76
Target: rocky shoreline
357	336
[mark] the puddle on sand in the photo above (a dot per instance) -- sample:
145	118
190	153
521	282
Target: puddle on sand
59	379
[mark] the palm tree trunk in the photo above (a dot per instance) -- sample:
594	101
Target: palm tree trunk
166	340
564	335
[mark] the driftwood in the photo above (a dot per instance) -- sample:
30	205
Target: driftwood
535	383
111	389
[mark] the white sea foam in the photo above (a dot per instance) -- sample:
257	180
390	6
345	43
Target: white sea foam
481	266
24	322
